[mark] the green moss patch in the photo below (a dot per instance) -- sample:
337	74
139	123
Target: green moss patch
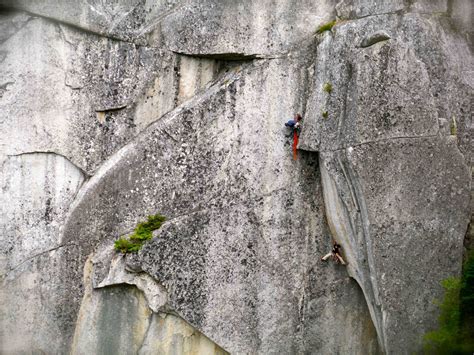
327	87
142	233
453	127
326	27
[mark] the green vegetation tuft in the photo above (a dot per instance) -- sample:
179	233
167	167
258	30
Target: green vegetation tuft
325	114
454	127
455	333
142	233
326	27
327	87
445	337
125	245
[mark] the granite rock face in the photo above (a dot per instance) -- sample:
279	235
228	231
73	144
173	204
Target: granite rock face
411	75
234	264
240	29
37	189
119	319
392	173
110	112
394	243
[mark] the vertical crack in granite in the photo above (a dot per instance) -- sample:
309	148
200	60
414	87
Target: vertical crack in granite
346	230
368	252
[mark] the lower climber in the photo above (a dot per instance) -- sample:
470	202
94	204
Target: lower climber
335	254
295	125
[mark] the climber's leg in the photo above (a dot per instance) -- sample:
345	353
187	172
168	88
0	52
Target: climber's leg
327	256
295	144
340	259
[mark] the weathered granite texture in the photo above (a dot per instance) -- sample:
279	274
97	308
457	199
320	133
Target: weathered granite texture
239	257
37	189
125	109
128	20
396	186
233	29
84	96
395	88
119	319
69	99
391	240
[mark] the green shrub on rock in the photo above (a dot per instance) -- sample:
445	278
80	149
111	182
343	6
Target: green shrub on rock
327	88
453	127
455	332
326	27
142	233
125	245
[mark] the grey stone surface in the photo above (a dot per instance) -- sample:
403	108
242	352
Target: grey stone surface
94	89
373	38
398	247
113	320
117	274
242	28
74	91
395	88
37	190
169	334
349	9
116	317
241	250
95	93
68	100
128	20
392	174
463	20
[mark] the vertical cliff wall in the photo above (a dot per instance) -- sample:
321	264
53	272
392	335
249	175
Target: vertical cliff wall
113	112
395	172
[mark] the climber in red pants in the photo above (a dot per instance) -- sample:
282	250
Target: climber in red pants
295	125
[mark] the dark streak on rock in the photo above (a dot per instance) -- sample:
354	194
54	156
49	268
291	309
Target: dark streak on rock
230	56
111	109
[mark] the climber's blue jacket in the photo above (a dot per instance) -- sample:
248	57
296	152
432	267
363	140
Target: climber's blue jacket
290	123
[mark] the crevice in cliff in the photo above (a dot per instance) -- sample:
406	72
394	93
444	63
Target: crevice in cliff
34	15
378	141
370	330
83	172
401	12
110	109
229	56
349	227
148	333
469	236
15	267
